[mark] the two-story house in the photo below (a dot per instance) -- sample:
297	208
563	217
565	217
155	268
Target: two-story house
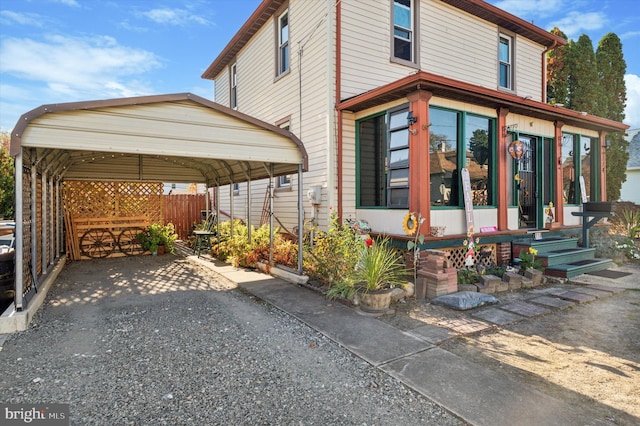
422	106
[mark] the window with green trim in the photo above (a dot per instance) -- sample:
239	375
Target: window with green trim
576	147
458	140
383	160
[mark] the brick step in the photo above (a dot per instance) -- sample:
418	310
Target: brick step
570	270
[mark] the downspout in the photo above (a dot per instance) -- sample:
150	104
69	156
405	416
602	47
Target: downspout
544	70
338	96
271	183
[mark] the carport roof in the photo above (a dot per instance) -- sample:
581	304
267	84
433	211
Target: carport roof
172	138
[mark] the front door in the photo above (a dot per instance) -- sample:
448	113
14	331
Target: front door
528	188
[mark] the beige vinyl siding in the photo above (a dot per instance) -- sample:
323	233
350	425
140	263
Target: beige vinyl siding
366	47
533	126
458	45
580	131
270	98
349	165
453	44
528	76
462	106
222	90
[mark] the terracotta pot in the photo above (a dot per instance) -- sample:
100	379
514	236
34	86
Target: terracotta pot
160	249
375	301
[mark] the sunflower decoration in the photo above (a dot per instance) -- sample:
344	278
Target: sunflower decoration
410	223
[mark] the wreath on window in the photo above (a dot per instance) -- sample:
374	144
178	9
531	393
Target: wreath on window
410	223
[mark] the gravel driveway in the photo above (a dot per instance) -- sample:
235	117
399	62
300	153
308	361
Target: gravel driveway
155	340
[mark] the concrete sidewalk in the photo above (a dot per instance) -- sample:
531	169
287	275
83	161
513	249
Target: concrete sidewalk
476	394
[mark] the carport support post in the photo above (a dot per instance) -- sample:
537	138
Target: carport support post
58	219
271	214
43	218
34	219
19	256
52	209
300	219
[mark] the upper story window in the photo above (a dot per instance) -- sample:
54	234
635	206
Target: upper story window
283	43
505	53
234	86
403	31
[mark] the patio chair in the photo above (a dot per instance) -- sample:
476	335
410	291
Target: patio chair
203	236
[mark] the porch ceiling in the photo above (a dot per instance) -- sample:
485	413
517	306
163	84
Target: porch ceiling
171	138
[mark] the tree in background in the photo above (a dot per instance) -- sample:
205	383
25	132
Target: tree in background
583	76
7	192
611	69
557	73
593	82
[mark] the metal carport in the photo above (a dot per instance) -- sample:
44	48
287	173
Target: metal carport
171	138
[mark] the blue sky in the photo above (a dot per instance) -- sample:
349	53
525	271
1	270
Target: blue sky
73	50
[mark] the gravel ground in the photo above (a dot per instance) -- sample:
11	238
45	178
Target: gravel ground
155	340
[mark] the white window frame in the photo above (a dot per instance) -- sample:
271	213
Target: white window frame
233	83
413	35
283	45
236	189
509	63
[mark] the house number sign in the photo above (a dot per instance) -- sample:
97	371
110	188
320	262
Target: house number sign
468	201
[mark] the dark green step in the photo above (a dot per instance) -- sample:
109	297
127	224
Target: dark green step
544	245
570	255
573	269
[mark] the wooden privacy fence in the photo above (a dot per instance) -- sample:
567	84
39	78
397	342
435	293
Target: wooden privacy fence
183	210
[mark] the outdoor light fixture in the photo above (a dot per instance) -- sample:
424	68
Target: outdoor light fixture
411	119
607	144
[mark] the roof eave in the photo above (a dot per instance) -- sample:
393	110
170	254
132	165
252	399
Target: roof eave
265	10
453	89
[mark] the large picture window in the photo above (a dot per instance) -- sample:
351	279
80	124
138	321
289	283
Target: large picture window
383	160
450	152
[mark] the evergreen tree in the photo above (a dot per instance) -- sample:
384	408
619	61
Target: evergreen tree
584	89
557	73
612	101
7	193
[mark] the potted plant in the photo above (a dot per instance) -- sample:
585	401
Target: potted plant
378	271
156	236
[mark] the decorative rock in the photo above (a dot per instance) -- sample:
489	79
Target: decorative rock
409	289
397	294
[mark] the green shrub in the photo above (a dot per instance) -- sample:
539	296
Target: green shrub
334	253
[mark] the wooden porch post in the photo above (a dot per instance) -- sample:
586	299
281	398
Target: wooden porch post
602	141
559	177
503	158
419	167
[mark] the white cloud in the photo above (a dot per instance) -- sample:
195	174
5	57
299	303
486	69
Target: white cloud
73	3
8	17
61	68
68	64
175	17
575	23
632	111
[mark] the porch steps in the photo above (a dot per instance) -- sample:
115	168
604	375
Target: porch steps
561	257
570	270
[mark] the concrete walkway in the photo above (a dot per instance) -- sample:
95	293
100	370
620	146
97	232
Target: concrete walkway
476	394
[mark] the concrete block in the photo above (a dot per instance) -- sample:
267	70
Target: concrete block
467	287
527	283
535	276
486	289
511	277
